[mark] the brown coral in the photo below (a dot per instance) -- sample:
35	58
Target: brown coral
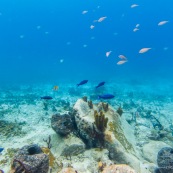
100	121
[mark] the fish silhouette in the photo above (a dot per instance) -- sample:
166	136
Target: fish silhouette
100	84
106	96
47	98
1	149
82	82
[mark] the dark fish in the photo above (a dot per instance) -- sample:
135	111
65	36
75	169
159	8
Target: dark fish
82	82
106	96
47	98
1	171
1	149
100	84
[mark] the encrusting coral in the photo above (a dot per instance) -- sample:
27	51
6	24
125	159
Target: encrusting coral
100	121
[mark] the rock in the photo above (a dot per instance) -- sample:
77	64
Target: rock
151	149
36	162
72	146
165	160
115	138
118	169
62	124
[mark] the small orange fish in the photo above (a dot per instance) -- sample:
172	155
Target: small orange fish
134	5
101	19
122	57
108	53
143	50
135	29
121	62
163	22
92	27
84	12
55	88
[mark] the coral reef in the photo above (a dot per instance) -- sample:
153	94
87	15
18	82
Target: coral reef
97	131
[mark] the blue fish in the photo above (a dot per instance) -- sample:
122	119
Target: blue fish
82	82
100	84
47	98
106	96
1	171
1	149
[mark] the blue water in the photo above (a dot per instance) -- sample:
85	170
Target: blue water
36	35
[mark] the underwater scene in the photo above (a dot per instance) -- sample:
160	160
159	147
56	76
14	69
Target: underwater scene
86	86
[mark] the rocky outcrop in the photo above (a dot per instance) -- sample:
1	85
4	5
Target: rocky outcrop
113	137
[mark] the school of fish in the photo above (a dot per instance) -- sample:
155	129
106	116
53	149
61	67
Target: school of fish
136	28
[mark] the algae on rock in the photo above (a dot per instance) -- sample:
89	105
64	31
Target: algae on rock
119	134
